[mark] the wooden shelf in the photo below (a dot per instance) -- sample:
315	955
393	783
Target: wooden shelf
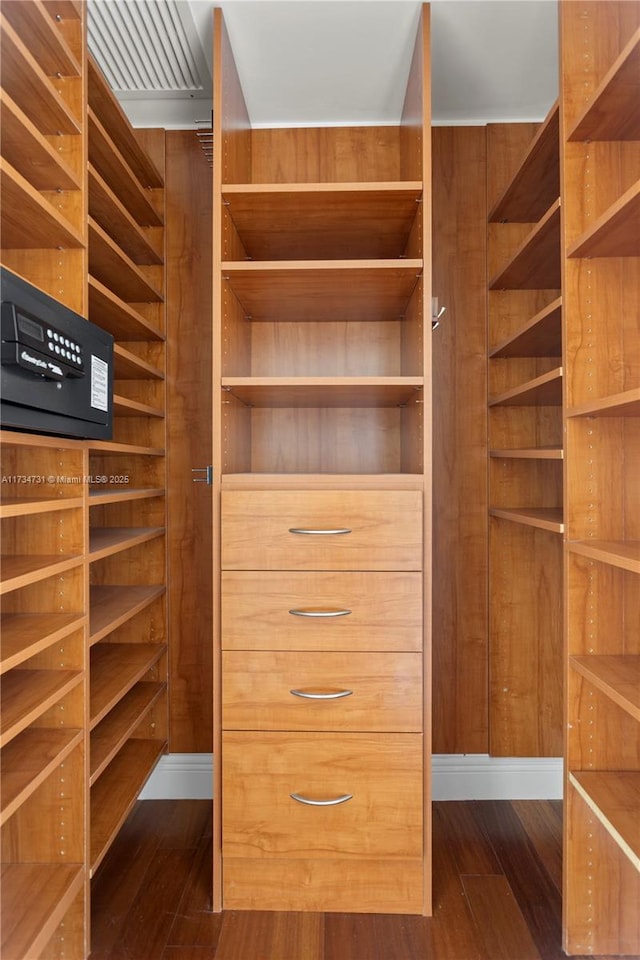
542	391
111	266
324	290
100	447
124	407
112	118
28	85
105	541
108	737
20	571
109	162
625	404
112	606
529	453
28	506
614	798
541	336
27	150
115	668
29	759
545	518
618	676
26	694
116	316
324	391
101	495
116	791
612	112
46	42
25	634
536	263
105	207
29	222
536	183
616	233
320	220
624	554
36	897
127	366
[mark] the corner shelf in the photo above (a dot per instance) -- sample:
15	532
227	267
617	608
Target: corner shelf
37	898
536	184
614	798
544	518
536	263
617	676
114	794
29	759
612	112
114	605
541	336
616	233
545	390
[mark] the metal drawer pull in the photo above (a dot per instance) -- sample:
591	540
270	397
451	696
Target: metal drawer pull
313	612
321	803
319	533
307	695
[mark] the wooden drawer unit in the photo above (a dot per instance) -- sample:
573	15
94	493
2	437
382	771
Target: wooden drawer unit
262	610
322	691
359	795
322	530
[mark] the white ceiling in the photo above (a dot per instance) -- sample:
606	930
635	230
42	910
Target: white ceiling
314	62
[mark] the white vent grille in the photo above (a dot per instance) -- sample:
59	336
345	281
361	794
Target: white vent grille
144	45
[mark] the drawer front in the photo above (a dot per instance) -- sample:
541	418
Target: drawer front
381	773
336	530
333	611
343	886
333	691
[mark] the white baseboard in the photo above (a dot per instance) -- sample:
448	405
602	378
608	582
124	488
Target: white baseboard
189	776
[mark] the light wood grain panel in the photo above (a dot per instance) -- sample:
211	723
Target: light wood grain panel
383	772
189	439
603	608
526	638
385	691
460	431
385	611
384	535
325	154
372	886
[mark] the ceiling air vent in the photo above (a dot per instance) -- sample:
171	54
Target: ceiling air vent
147	46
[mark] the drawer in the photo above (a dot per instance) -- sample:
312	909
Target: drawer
334	691
322	530
380	773
385	611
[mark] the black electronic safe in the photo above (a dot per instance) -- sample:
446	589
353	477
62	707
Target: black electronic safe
57	367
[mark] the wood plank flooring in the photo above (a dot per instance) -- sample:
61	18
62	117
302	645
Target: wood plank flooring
497	882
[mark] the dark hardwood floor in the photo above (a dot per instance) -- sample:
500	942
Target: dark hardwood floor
497	882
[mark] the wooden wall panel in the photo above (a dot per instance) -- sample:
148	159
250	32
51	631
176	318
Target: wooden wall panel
189	206
460	640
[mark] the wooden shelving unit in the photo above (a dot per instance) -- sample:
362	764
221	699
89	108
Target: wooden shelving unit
43	643
525	439
127	557
322	316
601	134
